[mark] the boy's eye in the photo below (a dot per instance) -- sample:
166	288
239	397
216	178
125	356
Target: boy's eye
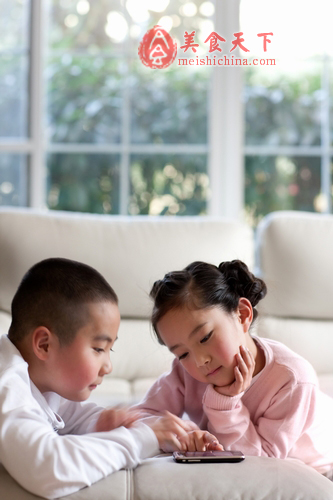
183	356
206	337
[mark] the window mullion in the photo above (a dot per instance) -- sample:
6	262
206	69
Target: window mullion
226	123
326	180
36	110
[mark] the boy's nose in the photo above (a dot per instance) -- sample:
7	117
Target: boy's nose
106	367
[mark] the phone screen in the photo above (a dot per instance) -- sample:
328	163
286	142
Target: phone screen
208	456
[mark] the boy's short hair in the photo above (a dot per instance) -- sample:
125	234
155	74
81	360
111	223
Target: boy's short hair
54	293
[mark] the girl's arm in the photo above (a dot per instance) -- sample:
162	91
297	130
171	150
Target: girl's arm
276	431
167	394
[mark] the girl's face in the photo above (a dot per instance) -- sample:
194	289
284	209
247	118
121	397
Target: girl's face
205	341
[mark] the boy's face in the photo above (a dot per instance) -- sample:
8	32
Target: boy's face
78	368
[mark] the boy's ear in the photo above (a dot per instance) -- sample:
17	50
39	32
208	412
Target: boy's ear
42	340
245	313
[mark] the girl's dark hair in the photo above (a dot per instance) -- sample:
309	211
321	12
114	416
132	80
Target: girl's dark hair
202	285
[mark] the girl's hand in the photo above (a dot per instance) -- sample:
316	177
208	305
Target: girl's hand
243	374
111	418
200	441
170	431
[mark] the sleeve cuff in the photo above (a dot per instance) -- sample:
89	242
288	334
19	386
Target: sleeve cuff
147	438
216	401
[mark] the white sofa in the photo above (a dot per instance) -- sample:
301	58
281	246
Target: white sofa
293	253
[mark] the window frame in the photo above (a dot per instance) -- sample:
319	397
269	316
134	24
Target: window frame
225	148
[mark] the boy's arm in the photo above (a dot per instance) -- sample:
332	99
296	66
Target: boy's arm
79	418
53	466
50	465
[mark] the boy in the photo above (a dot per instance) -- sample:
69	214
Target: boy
65	320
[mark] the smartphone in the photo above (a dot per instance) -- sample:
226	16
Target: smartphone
190	457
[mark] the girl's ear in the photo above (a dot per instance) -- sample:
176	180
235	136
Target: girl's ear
42	340
245	313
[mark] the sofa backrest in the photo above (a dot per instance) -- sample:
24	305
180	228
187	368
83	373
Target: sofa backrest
295	258
131	252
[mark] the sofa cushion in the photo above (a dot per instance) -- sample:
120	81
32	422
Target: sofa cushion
5	319
131	252
253	479
294	256
112	391
118	391
137	353
138	359
294	253
114	487
312	339
326	383
161	479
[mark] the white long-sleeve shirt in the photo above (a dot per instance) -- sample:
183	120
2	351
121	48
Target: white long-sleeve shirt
48	444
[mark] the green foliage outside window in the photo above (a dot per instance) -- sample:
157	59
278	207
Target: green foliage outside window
98	93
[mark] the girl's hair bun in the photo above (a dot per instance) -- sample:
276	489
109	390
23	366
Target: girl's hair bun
202	285
242	282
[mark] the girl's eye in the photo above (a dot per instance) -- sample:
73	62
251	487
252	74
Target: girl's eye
183	356
98	349
206	337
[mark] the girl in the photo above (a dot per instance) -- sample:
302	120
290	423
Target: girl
253	394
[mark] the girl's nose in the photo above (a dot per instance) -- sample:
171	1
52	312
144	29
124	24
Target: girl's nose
202	358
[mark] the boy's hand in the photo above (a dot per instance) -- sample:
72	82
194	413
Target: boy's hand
243	374
200	441
170	430
111	418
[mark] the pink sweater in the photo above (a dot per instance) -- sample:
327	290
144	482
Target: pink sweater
282	414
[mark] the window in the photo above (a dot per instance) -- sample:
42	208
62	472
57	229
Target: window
14	70
124	138
287	110
85	126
